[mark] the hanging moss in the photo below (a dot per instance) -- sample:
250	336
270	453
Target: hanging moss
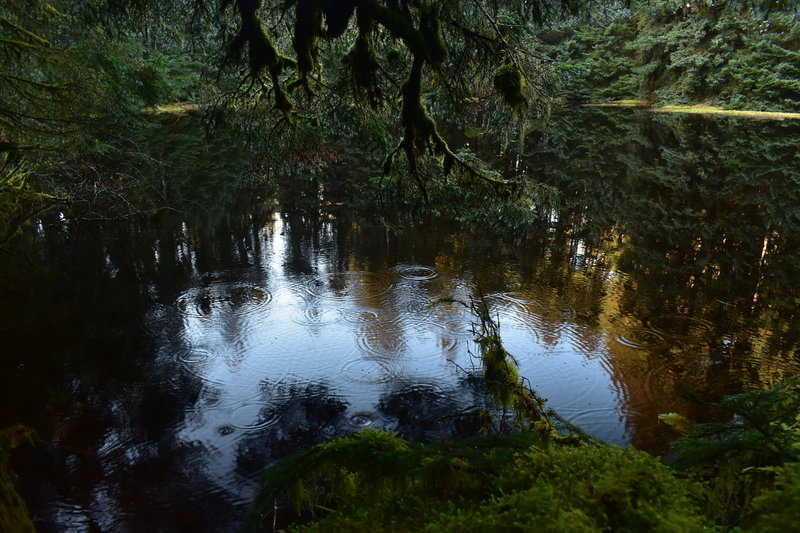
19	203
337	16
261	51
420	131
307	29
509	84
400	23
363	64
429	26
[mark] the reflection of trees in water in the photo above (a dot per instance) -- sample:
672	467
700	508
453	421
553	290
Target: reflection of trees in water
701	217
308	414
698	217
108	446
425	413
691	197
693	210
312	413
105	408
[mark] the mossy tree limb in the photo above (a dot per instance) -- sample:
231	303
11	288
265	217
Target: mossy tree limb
420	30
262	53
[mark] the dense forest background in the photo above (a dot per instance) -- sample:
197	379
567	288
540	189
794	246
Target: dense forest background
682	53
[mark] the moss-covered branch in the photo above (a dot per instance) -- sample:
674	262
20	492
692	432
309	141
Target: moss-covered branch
262	53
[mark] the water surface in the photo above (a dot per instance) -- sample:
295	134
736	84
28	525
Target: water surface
166	363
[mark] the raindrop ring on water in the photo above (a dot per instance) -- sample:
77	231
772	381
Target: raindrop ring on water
681	327
639	338
368	372
317	316
361	317
349	285
415	272
242	298
361	420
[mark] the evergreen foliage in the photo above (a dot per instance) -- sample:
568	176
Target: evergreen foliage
67	87
34	79
297	80
70	102
18	203
504	204
778	510
754	454
407	63
732	53
764	429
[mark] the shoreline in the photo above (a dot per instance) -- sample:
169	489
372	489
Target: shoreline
700	109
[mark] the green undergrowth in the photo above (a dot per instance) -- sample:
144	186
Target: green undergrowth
14	516
529	471
750	460
378	482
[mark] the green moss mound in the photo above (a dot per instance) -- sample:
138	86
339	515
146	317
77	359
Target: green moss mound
550	488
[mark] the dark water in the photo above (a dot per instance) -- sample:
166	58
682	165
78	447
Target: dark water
164	364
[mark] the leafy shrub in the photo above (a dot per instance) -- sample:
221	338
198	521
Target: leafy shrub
764	430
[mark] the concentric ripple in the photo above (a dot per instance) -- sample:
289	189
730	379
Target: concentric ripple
383	342
639	338
240	298
366	371
196	355
361	420
415	272
350	285
459	328
362	316
681	327
317	316
252	417
513	314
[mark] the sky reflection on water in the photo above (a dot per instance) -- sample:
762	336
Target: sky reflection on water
358	334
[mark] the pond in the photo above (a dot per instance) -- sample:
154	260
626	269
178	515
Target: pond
164	363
